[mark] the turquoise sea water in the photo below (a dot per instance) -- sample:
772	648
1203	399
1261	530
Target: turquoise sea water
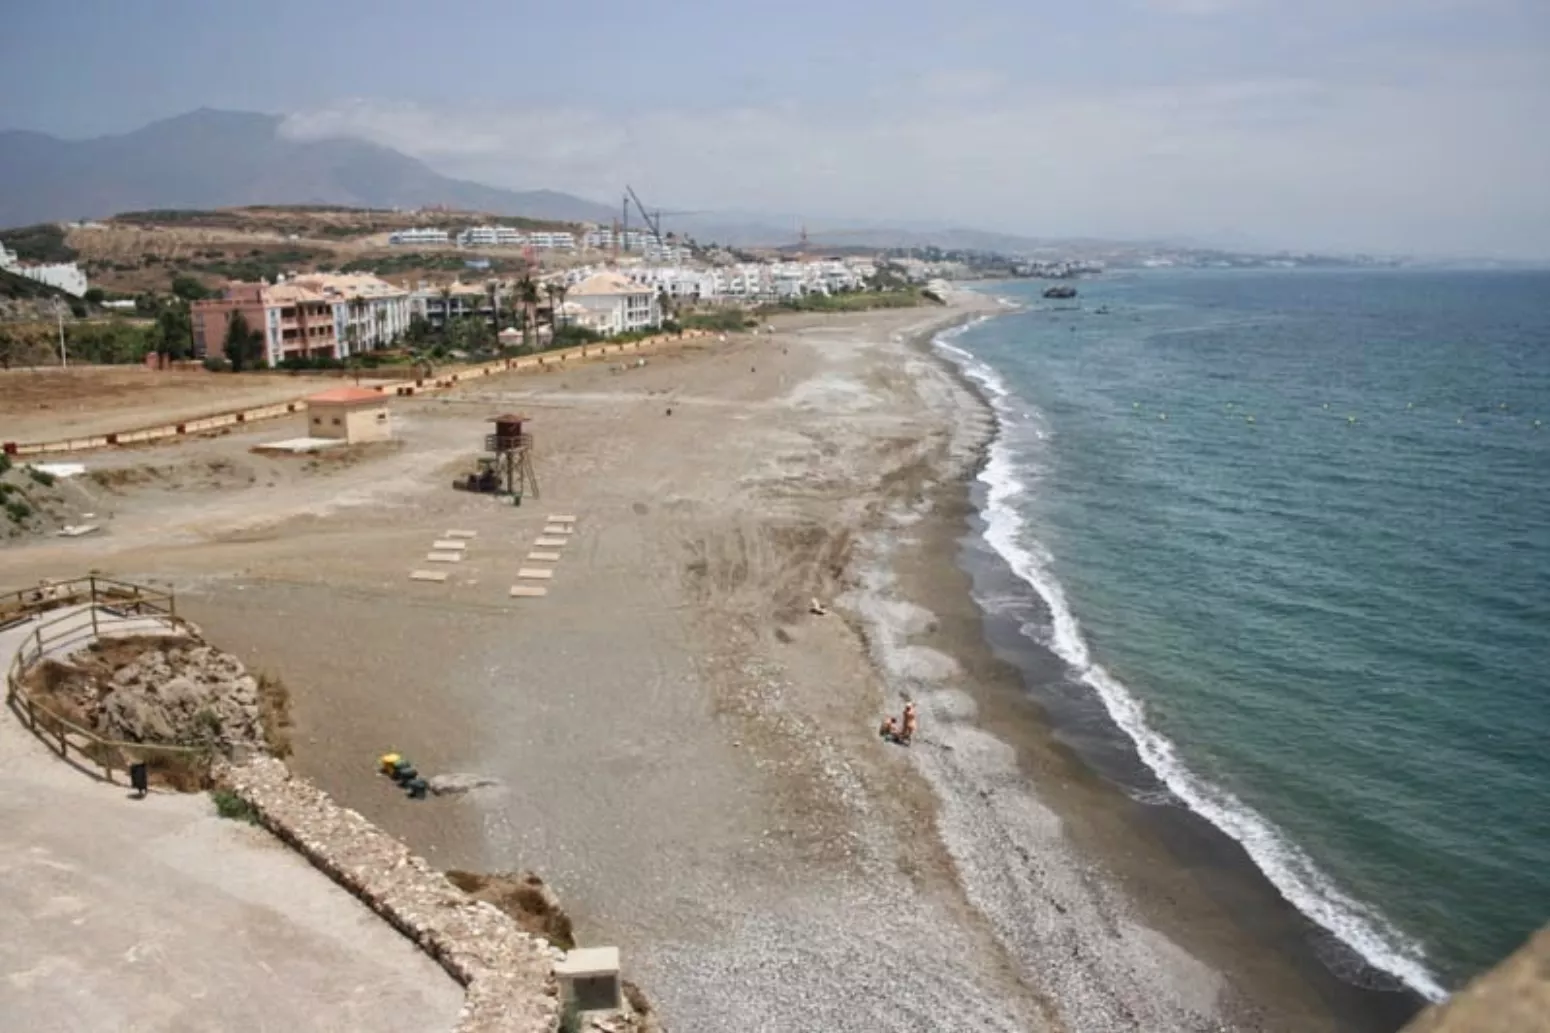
1293	529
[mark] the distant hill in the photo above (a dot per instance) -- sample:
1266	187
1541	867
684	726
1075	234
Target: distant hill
219	159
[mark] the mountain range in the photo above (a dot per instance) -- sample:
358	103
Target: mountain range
218	159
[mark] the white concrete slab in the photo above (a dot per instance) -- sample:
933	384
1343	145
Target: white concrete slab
549	543
461	534
528	591
535	573
427	575
444	557
559	529
299	445
544	557
562	518
449	545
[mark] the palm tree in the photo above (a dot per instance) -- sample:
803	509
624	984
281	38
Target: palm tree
527	293
446	306
493	289
556	292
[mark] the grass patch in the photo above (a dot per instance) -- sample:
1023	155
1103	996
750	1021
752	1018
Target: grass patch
274	715
525	898
229	805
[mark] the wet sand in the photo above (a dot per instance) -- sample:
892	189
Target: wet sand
686	753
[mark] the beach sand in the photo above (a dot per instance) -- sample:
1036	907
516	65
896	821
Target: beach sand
685	752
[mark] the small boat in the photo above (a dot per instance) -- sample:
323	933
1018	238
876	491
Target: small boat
1060	291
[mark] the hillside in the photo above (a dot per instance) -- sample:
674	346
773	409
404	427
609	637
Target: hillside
216	159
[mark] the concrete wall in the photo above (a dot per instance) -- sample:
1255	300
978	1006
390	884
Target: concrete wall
162	432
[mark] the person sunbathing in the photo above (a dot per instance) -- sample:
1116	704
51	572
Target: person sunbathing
911	722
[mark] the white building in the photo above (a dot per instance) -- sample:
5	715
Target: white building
65	276
616	305
369	313
552	240
490	236
419	236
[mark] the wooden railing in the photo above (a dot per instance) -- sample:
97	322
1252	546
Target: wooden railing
68	631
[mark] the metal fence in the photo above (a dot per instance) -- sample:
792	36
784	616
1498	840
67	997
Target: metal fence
69	631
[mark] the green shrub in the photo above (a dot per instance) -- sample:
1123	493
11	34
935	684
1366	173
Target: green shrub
217	364
229	805
18	510
43	477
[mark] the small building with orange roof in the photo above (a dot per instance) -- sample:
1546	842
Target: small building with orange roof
352	414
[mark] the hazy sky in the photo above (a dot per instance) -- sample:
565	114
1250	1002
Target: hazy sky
1402	125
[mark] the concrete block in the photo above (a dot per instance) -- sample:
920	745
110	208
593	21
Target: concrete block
544	557
449	545
427	575
528	591
535	573
559	529
561	519
461	534
589	976
444	557
549	543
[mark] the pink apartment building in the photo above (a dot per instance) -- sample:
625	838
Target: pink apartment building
292	320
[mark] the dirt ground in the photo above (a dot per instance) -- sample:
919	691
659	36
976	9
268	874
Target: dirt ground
48	404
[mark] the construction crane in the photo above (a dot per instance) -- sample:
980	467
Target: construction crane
654	224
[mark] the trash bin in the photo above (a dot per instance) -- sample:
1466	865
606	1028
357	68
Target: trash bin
140	777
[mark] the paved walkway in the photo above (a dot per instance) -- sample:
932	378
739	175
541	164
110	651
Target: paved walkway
155	914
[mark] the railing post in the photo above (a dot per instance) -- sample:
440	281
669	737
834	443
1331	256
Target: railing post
95	633
63	744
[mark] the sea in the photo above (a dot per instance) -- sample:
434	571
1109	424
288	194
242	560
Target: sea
1288	533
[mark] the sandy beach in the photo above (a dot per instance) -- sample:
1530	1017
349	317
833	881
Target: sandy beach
686	752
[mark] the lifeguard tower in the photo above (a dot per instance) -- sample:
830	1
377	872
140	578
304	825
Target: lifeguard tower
513	450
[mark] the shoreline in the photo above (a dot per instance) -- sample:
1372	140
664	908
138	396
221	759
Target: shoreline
1060	730
686	754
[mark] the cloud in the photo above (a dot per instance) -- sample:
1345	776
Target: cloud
1384	161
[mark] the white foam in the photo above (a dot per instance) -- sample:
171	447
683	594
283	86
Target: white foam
1291	870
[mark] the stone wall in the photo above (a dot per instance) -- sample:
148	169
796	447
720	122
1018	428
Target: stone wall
507	974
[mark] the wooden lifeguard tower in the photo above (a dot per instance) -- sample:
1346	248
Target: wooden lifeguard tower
513	450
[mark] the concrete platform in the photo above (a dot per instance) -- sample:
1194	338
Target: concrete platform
300	445
460	534
528	591
559	529
544	557
549	543
156	914
427	575
444	557
449	545
561	519
535	573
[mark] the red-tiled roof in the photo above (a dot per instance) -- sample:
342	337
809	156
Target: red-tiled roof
346	394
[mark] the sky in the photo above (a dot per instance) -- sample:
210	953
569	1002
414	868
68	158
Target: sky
1387	126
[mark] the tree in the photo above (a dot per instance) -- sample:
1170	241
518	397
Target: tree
418	331
527	294
188	288
556	292
94	295
244	347
173	335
